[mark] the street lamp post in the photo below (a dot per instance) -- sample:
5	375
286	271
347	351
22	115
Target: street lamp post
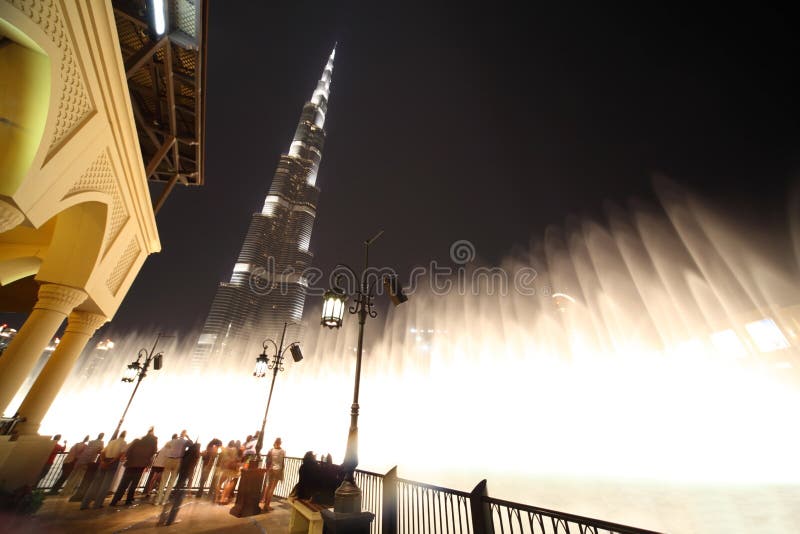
347	498
137	371
252	481
263	365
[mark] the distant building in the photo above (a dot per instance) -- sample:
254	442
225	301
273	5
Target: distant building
267	286
6	335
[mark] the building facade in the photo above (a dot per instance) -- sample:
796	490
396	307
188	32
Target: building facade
267	287
76	219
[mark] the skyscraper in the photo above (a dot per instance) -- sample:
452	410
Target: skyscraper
267	286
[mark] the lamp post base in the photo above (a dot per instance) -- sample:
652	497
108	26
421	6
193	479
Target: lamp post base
250	487
347	498
339	523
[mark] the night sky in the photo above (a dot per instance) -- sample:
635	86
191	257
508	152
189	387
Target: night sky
484	123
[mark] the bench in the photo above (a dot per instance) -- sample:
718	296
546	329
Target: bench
305	518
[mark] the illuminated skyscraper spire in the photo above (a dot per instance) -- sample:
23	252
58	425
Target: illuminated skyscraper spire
268	286
309	136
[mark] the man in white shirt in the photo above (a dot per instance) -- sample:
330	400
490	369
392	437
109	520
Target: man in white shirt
174	450
109	463
156	470
86	457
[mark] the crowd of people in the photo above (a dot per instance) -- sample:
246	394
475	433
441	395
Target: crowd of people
117	468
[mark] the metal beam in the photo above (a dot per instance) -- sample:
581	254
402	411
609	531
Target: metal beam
159	155
189	80
141	57
152	131
173	128
130	18
165	193
137	113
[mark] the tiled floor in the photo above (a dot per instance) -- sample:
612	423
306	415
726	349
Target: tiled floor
57	515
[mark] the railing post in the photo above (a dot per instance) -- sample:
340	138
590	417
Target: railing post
389	504
481	511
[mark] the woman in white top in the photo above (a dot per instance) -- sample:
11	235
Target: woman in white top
275	461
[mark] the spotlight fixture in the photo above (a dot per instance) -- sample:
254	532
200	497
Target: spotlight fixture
297	355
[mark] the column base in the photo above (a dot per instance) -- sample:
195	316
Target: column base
22	460
250	487
347	498
355	523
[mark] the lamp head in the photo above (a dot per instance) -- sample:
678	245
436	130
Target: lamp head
262	364
131	372
332	309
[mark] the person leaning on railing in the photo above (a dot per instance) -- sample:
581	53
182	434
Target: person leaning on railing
109	463
225	480
87	456
137	457
68	465
57	449
208	457
154	477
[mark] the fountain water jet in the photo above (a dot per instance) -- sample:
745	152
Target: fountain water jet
643	399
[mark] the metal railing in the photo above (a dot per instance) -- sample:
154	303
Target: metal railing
291	473
408	507
371	485
519	518
427	508
50	478
7	424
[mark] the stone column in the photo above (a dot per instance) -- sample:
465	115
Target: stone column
54	303
81	326
10	216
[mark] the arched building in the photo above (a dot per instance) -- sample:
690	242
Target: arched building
76	216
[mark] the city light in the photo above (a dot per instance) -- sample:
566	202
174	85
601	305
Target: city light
105	345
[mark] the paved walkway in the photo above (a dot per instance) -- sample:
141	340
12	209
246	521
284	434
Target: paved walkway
57	516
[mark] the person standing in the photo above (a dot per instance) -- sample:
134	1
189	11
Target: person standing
227	473
57	449
138	456
208	457
109	462
156	470
174	450
69	464
249	453
275	462
188	462
308	477
88	456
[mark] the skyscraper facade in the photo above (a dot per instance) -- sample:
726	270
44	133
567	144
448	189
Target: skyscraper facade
267	287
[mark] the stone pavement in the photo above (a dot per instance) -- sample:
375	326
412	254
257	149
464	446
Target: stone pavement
57	516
